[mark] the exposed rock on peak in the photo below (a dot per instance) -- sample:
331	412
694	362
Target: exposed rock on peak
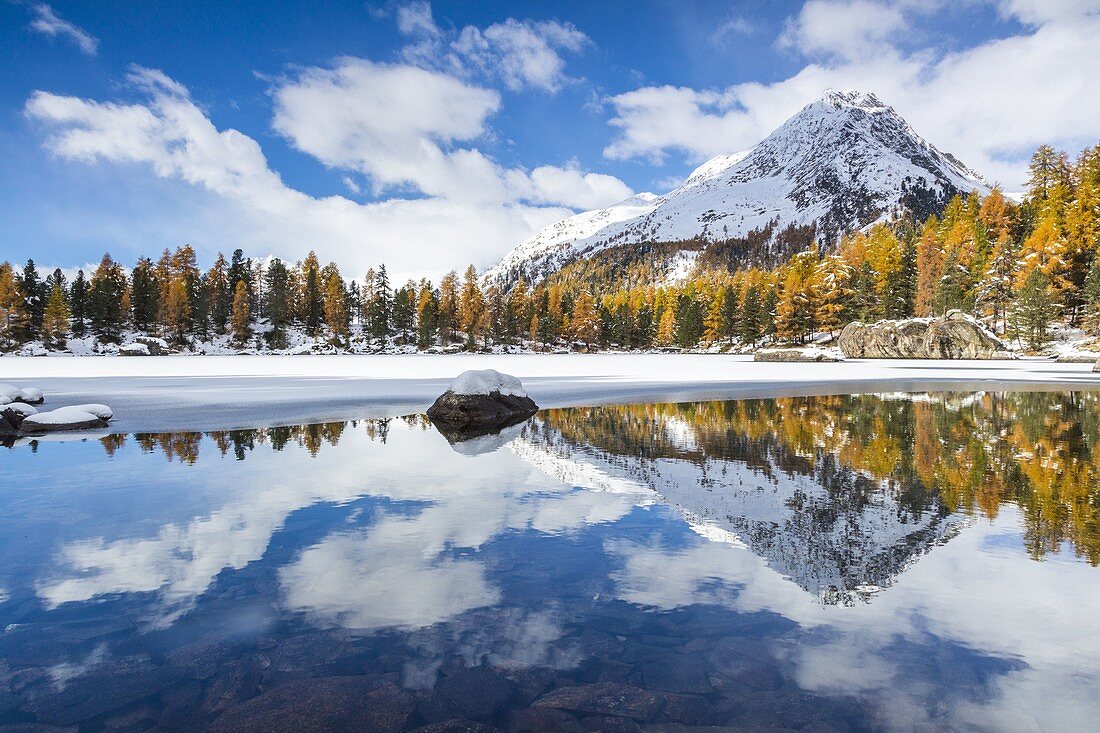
843	162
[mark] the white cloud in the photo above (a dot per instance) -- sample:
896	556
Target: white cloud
391	123
736	26
990	105
1037	12
847	28
46	21
519	53
399	124
416	19
523	53
395	124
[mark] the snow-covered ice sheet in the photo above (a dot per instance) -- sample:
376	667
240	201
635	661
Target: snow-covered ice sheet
222	392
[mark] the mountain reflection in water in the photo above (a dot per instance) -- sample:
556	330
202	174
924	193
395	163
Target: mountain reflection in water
820	563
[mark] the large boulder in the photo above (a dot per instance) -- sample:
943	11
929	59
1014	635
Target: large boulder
809	354
479	401
28	395
954	336
73	417
14	413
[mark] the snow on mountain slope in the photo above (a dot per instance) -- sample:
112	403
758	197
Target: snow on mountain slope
843	162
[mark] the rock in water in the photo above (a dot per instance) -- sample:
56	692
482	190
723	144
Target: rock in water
481	400
74	417
811	354
1096	366
954	336
16	412
28	395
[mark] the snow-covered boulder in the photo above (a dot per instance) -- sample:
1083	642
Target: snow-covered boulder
29	395
73	417
14	413
145	346
481	400
134	349
954	336
810	353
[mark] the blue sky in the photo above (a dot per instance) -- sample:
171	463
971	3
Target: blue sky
431	135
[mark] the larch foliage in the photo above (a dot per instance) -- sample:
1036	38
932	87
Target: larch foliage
471	309
241	315
55	319
584	322
12	314
336	312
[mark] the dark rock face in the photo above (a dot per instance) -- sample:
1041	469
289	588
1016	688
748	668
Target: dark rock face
794	355
954	336
472	414
13	415
318	705
88	422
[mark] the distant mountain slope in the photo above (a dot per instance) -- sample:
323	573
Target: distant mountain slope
843	162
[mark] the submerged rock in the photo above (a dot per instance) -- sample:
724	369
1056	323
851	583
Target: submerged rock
810	354
480	401
322	705
606	698
954	336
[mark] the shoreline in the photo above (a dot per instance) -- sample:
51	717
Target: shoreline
181	393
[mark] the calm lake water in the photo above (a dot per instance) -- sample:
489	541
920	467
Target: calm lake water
847	563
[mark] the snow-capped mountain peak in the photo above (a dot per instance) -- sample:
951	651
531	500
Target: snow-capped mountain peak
843	162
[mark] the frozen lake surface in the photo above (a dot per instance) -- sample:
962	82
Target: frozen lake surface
218	392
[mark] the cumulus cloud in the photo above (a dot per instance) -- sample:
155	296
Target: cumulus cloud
969	102
401	126
847	28
519	53
736	26
395	124
523	53
47	22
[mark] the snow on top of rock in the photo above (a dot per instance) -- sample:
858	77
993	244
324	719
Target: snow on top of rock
851	98
76	416
101	411
11	393
21	407
487	381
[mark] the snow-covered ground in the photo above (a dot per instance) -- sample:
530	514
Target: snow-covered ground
221	392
